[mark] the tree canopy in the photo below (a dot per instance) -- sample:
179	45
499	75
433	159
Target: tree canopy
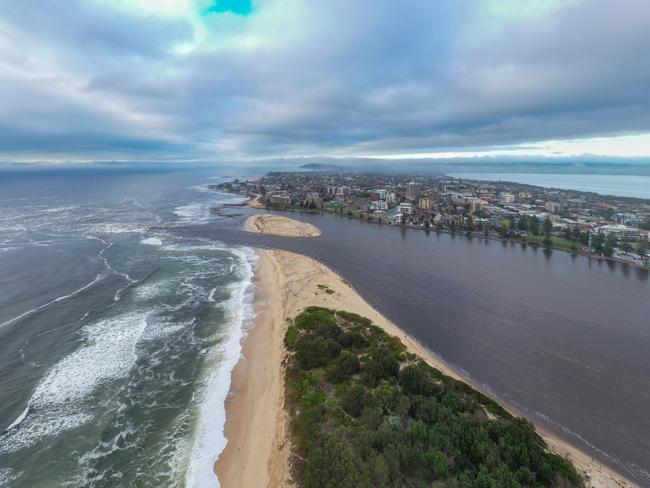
366	413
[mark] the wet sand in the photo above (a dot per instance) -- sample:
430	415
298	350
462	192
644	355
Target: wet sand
257	450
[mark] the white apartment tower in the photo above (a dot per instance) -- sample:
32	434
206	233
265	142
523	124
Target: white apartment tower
412	190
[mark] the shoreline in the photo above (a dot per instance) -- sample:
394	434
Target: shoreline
254	201
461	233
257	450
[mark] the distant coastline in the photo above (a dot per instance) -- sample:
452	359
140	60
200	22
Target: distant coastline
632	186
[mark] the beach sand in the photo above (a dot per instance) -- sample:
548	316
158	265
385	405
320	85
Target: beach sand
255	201
257	452
276	225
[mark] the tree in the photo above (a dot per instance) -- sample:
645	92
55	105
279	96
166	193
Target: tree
626	247
522	223
642	247
400	422
548	226
609	246
335	465
598	241
533	225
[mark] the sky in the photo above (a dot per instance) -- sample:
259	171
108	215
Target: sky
203	80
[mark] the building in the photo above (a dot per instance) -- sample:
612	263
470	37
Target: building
425	203
577	203
390	197
627	218
553	207
279	197
505	197
621	232
476	204
313	200
405	208
379	205
381	194
412	190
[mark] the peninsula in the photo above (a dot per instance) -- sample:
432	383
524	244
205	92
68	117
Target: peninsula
260	447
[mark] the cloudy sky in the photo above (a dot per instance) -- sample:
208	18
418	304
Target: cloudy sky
241	79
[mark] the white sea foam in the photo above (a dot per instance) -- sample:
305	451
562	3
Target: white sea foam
43	424
147	291
200	212
209	434
108	353
7	475
195	213
116	228
19	419
152	241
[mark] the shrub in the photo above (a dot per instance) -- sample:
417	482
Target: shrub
315	351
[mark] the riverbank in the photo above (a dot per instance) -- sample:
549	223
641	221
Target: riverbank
465	233
257	451
276	225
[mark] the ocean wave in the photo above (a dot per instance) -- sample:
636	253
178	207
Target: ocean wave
108	353
19	419
7	475
97	278
209	440
200	212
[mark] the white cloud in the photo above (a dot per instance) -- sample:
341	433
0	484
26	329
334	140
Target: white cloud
146	79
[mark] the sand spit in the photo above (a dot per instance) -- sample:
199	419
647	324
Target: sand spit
276	225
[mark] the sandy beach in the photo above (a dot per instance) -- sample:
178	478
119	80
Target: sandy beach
257	450
254	201
277	225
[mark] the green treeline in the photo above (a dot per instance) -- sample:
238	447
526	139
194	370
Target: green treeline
366	413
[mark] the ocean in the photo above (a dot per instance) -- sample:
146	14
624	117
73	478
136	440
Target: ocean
117	337
634	186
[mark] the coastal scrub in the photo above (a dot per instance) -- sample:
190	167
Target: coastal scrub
365	412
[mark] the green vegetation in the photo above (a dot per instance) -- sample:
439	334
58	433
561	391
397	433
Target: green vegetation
366	413
557	242
326	289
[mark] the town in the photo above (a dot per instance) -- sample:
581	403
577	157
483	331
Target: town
607	226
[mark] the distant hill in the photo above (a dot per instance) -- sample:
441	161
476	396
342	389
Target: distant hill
322	167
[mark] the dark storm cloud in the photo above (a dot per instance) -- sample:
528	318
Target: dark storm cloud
335	77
